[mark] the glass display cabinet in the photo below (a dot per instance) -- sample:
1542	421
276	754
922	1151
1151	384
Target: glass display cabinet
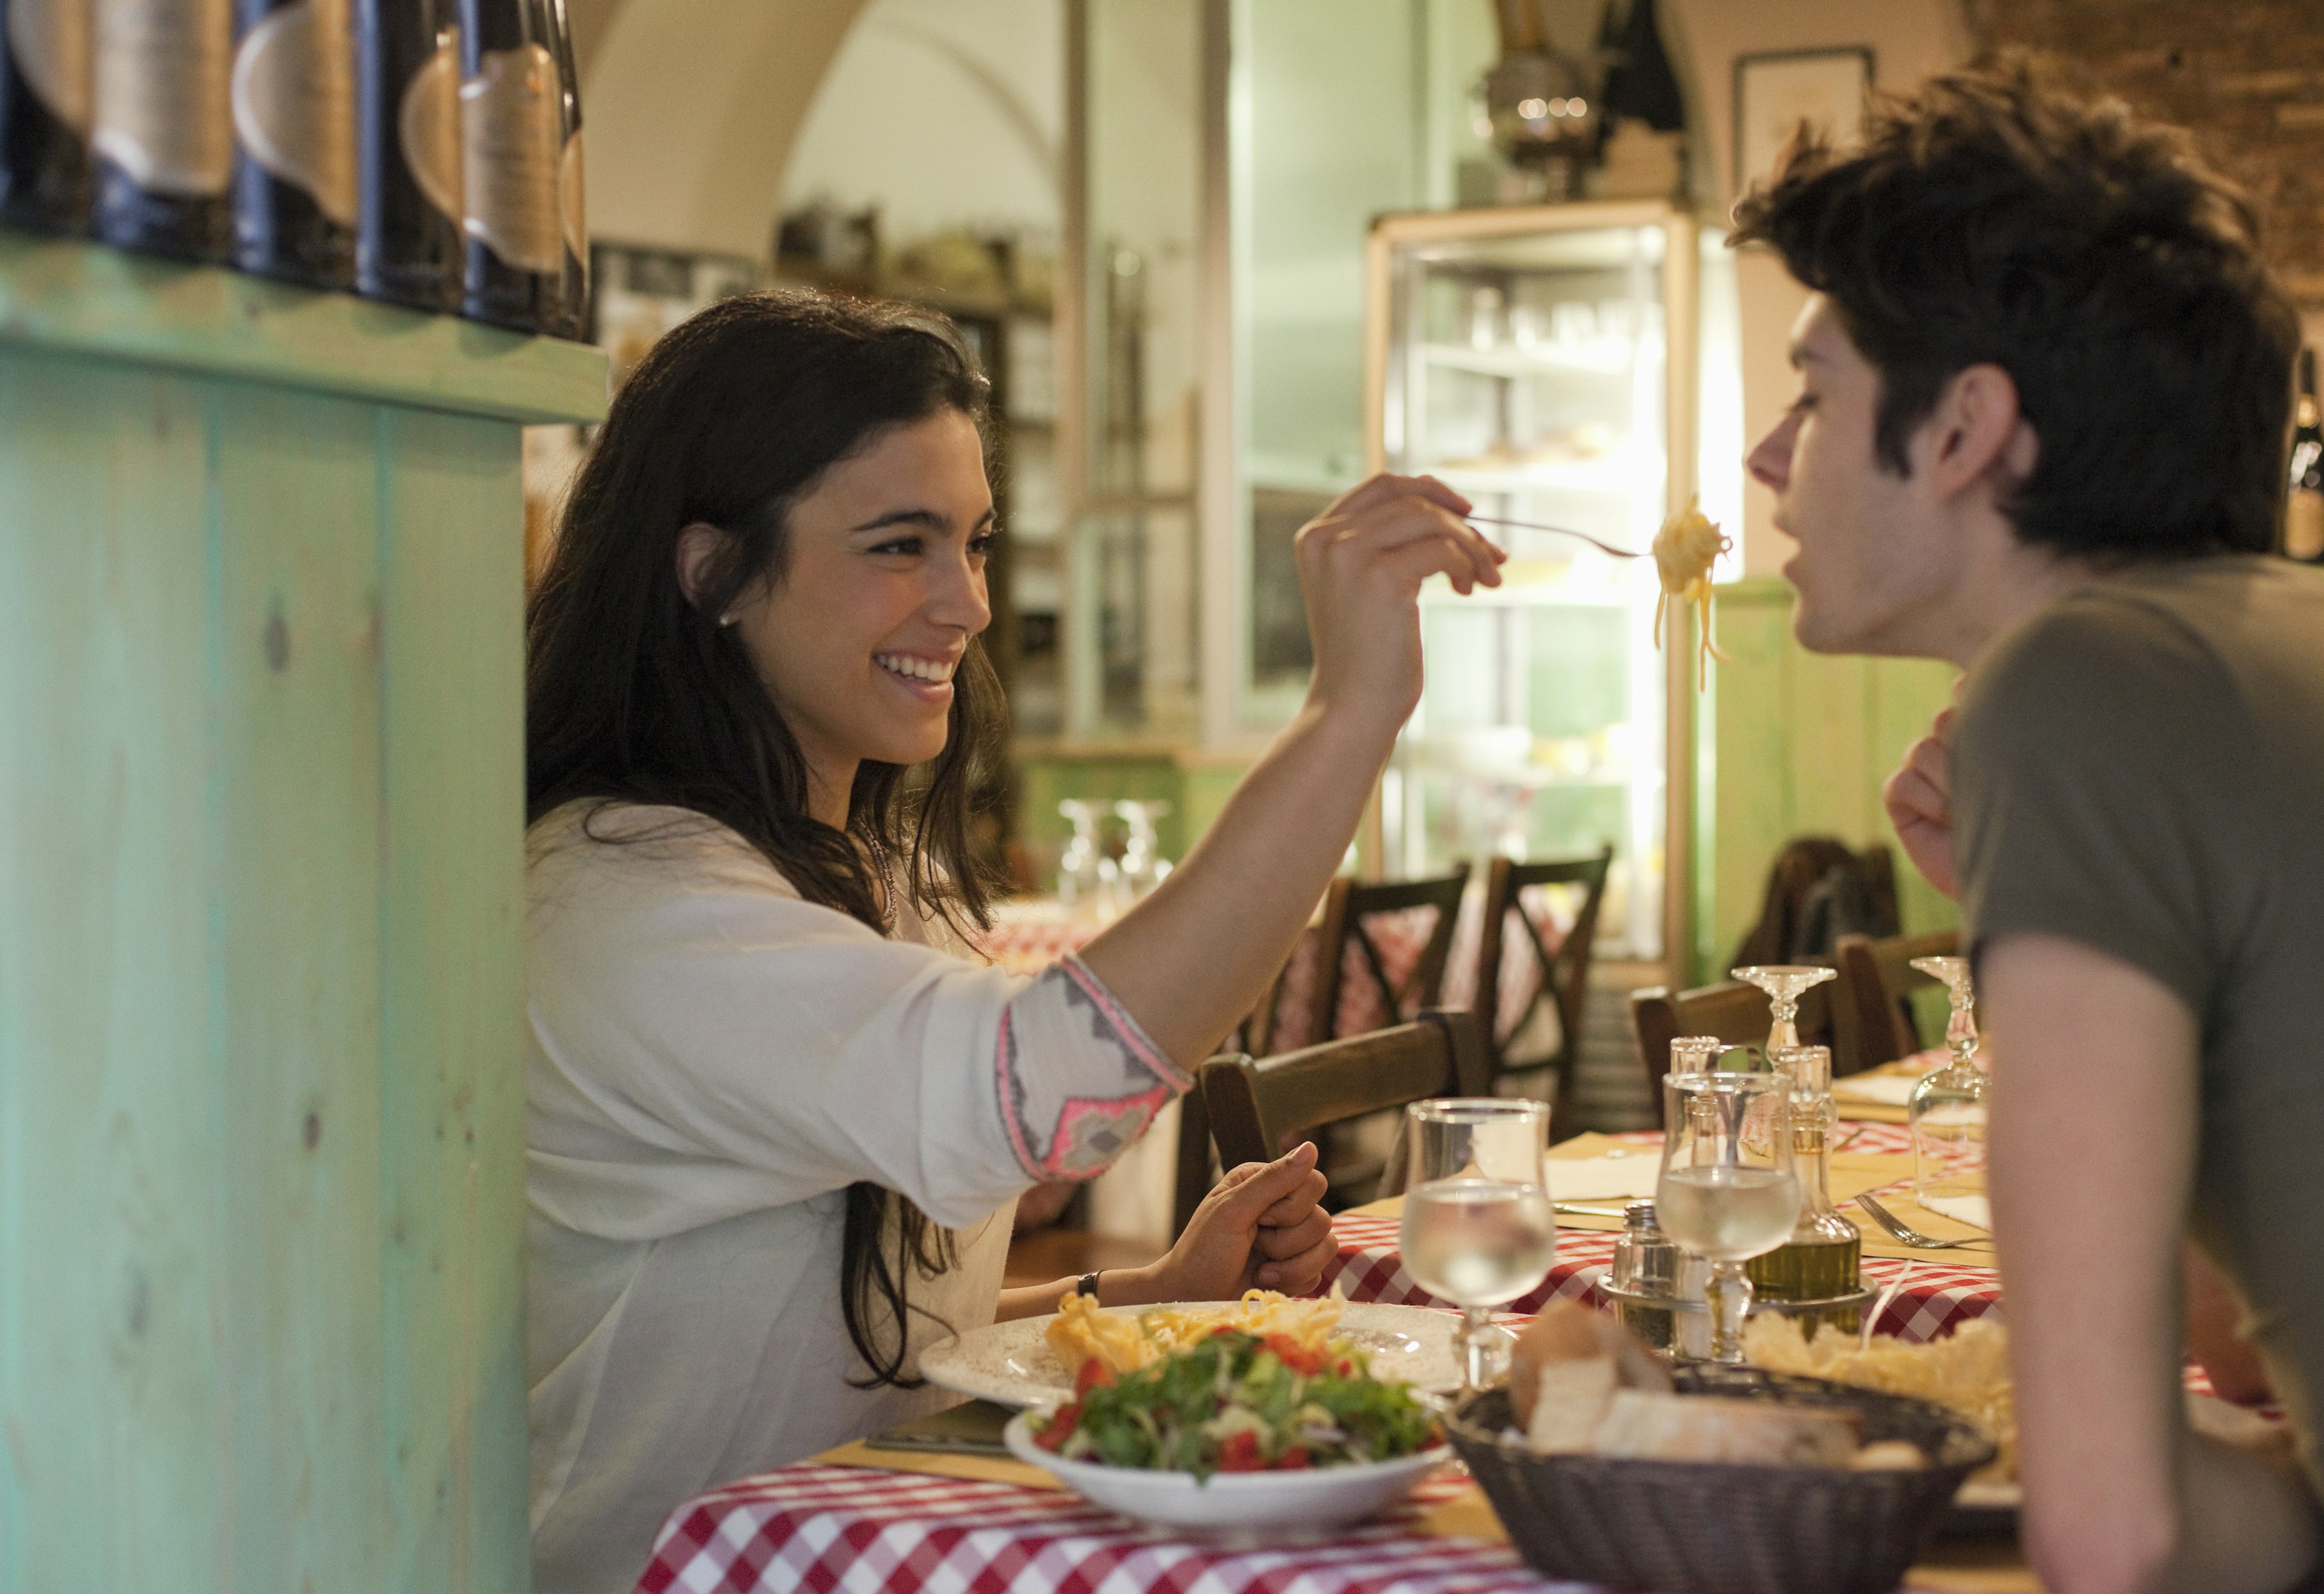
1541	360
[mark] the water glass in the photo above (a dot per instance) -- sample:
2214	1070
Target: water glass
1729	1191
1477	1230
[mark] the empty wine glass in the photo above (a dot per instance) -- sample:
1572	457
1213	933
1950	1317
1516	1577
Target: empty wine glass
1478	1230
1947	1109
1784	984
1079	872
1727	1192
1143	867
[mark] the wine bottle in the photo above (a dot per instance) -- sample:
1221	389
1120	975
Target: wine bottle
511	140
1639	81
572	216
407	241
162	157
294	128
2303	511
44	114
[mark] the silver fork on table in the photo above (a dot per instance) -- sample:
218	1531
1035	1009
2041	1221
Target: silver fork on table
1906	1236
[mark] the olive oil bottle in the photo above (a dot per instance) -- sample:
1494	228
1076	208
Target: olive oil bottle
1822	1259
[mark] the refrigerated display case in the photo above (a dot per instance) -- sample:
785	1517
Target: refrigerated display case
1541	360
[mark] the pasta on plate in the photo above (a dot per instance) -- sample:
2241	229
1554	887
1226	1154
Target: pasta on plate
1124	1342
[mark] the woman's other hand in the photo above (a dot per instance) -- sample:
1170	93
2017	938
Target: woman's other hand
1361	563
1919	799
1260	1228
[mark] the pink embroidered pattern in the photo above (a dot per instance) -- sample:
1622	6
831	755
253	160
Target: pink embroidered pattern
1088	1133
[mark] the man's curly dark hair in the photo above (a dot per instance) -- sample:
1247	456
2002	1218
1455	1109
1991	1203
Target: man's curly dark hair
1989	218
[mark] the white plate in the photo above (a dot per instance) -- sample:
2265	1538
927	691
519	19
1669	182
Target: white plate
1009	1363
1317	1497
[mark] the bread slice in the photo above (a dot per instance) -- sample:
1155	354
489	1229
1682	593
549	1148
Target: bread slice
1569	1400
1570	1332
1650	1425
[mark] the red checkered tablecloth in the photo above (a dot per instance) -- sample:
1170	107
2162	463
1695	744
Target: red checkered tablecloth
825	1528
1934	1297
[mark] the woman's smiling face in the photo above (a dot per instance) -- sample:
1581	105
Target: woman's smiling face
857	636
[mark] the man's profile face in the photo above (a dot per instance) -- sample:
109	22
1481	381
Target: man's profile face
1871	558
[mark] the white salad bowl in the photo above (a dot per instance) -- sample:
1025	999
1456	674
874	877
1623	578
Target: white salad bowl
1318	1497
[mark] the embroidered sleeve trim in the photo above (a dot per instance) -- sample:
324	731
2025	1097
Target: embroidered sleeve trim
1133	1039
1058	1137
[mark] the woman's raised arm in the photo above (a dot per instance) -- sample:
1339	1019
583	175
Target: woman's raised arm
1190	960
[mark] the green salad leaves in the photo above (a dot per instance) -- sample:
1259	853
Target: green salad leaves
1236	1402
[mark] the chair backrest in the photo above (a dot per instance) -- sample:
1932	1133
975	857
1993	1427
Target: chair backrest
1347	927
1565	973
1818	889
1737	1014
1872	1023
1258	1106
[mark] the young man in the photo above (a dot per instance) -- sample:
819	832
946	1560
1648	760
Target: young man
2040	432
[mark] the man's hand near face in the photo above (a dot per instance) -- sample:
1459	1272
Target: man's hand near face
1919	799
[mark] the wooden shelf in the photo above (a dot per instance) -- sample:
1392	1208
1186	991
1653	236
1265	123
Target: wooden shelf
87	300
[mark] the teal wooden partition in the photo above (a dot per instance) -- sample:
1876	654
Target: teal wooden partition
260	935
1793	743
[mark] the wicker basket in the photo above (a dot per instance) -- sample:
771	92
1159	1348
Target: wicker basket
1691	1527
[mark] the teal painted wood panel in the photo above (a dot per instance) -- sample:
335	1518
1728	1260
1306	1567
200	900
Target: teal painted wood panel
451	1080
296	769
1793	743
261	980
101	303
110	1255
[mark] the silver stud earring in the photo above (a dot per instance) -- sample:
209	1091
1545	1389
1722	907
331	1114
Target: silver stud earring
726	620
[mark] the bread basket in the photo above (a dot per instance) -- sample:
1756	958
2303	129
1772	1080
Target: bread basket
1691	1527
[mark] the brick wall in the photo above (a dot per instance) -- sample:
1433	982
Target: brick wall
2247	77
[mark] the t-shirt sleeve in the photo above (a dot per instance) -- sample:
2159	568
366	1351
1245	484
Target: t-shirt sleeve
2090	792
707	1044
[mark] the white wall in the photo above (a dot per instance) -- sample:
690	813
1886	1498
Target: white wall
691	106
1910	40
946	112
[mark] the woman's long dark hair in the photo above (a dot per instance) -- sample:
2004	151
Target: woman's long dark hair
635	695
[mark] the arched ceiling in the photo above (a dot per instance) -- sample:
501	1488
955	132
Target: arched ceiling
691	107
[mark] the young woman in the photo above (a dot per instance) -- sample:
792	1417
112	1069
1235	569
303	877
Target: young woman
778	1117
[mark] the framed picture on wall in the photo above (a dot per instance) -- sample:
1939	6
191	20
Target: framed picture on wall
1776	91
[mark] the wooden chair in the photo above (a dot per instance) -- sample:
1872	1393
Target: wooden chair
1737	1014
1872	1021
1260	1105
1349	909
1564	977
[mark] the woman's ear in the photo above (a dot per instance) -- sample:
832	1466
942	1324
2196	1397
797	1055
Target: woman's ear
700	545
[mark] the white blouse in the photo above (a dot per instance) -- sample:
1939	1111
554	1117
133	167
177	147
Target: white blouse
712	1061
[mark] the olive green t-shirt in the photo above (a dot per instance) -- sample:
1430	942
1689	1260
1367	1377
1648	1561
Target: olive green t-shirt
2140	769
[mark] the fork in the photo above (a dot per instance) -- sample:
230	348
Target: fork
1529	525
1913	1237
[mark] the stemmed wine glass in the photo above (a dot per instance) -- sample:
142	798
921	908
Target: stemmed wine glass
1477	1230
1947	1109
1143	867
1784	984
1727	1192
1082	872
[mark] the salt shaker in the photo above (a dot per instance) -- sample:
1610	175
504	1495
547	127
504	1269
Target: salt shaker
1646	1263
